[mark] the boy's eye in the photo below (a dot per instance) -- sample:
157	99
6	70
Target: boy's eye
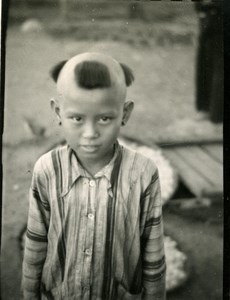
104	120
77	119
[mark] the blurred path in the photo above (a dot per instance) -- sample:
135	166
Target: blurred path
203	243
29	57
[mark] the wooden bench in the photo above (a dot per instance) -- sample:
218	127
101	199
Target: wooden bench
199	165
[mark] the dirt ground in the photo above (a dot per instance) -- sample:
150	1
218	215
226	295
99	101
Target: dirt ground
164	110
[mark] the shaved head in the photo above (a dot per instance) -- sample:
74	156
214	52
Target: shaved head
90	71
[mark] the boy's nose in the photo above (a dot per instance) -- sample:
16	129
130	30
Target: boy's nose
90	131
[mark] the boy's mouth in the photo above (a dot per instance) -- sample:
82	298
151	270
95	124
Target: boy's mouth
90	148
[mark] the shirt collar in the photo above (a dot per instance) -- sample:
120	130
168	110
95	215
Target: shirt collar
74	170
107	169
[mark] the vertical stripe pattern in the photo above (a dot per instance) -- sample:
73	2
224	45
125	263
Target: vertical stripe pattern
58	178
98	238
110	229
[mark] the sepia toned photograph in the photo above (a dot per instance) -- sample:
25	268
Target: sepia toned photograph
112	150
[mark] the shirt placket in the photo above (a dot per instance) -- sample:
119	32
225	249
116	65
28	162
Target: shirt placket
88	247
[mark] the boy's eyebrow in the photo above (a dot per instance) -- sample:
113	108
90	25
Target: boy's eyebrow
73	114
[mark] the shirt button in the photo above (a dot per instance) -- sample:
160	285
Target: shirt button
90	216
92	183
88	251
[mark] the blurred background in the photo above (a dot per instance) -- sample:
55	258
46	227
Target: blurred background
175	51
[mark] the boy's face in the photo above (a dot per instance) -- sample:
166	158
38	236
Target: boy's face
91	120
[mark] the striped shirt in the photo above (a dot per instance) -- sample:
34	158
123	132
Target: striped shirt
98	237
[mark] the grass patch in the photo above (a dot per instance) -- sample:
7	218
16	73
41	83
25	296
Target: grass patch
76	11
131	32
113	21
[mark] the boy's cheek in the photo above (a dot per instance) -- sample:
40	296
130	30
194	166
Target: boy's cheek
68	126
70	134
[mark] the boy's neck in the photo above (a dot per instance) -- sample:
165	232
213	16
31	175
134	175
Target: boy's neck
93	167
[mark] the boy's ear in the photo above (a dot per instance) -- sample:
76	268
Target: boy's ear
127	110
55	107
129	77
54	72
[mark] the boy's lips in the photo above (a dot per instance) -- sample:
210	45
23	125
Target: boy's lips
90	148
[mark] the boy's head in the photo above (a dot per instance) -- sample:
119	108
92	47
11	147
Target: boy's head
91	102
90	71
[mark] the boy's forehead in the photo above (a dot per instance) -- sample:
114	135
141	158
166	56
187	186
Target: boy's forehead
97	98
66	83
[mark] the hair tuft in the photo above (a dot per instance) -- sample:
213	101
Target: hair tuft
54	72
129	77
92	74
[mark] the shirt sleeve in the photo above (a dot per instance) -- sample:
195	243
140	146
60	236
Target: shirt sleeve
152	242
36	236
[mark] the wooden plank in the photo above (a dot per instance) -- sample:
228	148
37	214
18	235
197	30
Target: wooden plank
203	164
185	143
173	142
216	151
193	180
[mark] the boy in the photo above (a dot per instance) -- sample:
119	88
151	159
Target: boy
95	225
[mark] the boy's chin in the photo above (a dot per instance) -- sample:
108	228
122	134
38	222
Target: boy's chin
95	152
